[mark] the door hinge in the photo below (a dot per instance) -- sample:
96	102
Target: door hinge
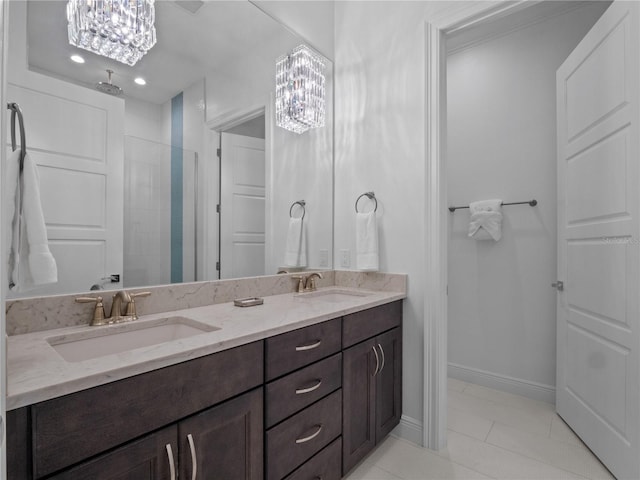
219	152
218	208
218	266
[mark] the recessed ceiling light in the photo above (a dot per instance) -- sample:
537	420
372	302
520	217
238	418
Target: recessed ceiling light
140	81
77	58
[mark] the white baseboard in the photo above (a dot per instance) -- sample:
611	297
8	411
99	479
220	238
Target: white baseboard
409	429
536	391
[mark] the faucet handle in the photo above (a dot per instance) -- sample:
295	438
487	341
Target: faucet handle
301	282
98	312
131	306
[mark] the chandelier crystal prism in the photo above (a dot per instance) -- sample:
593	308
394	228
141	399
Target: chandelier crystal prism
122	30
300	90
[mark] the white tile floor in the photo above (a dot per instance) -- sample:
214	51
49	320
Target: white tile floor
492	434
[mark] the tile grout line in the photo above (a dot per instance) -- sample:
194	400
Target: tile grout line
540	461
493	422
515	453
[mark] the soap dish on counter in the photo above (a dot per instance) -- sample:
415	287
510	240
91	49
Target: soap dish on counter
248	302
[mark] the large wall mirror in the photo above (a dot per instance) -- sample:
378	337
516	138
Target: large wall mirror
183	179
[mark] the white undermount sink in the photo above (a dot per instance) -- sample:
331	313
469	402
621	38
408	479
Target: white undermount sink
87	345
333	295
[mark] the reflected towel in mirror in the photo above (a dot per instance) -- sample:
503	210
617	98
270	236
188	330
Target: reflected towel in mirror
295	254
30	261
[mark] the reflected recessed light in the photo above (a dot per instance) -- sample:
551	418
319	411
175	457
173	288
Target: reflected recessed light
140	81
77	58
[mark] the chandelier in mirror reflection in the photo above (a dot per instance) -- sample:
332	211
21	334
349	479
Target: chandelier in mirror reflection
300	90
122	30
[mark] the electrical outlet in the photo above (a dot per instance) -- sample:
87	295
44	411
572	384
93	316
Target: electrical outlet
345	258
324	258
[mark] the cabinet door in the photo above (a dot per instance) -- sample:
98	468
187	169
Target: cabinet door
389	382
144	459
358	407
224	442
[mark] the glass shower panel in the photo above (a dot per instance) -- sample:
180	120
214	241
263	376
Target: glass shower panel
159	214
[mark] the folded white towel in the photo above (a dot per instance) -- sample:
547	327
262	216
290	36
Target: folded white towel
366	241
295	254
485	222
30	261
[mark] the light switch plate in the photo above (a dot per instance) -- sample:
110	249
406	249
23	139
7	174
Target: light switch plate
324	258
345	258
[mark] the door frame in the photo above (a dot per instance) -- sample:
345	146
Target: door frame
214	129
434	426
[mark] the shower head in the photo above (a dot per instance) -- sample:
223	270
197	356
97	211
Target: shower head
108	87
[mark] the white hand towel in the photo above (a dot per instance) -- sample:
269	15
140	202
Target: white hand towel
366	241
30	261
295	254
485	222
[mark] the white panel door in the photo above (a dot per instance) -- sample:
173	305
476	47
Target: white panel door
75	136
599	240
242	206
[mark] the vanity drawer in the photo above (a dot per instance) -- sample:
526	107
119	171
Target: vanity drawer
325	465
297	439
69	429
297	390
290	351
359	326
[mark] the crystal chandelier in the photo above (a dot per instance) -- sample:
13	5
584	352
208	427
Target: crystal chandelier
300	103
119	29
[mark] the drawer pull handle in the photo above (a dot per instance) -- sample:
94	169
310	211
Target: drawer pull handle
310	437
172	466
194	460
300	391
377	361
382	352
310	346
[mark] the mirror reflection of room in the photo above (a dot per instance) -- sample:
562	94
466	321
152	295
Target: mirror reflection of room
131	159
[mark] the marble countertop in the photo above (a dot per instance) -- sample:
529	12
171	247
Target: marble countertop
36	372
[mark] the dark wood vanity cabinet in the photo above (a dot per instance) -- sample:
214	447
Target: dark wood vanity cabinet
372	381
303	405
225	441
144	459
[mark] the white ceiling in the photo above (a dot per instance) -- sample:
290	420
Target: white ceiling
189	46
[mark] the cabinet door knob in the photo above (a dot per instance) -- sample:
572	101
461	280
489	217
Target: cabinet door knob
382	352
310	346
310	437
300	391
172	466
194	460
375	352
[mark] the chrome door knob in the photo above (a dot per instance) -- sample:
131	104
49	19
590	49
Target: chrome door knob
558	285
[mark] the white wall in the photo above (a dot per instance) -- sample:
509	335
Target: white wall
298	166
145	120
502	144
311	20
379	146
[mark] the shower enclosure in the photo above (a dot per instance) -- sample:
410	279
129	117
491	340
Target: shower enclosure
160	213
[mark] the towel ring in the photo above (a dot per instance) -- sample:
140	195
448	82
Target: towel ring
302	203
370	196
